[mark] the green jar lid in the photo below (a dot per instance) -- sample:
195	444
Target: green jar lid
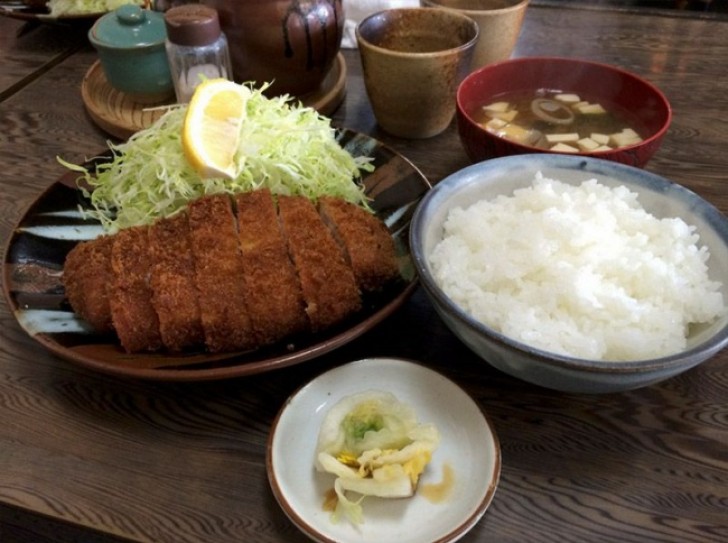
128	27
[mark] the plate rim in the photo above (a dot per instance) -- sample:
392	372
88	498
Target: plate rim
325	345
453	535
34	14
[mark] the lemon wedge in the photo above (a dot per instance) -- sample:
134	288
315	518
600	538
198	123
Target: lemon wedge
211	129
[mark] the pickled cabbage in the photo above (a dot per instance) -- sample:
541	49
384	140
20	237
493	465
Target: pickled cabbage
374	446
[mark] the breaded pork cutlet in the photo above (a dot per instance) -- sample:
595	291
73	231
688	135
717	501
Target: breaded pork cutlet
274	296
227	282
218	275
367	242
87	276
328	283
133	316
172	280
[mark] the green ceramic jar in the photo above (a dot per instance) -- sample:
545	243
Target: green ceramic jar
130	43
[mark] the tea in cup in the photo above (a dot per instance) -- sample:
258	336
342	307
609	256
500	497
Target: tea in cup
413	60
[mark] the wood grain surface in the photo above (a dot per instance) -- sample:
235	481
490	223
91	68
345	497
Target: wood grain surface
93	458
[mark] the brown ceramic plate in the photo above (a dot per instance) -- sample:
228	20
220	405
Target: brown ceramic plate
36	251
41	14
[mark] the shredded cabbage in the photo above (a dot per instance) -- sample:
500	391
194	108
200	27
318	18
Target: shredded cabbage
59	8
374	446
288	148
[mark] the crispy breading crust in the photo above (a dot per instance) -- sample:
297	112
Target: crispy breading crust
218	275
132	314
230	279
328	283
368	244
172	280
87	278
273	292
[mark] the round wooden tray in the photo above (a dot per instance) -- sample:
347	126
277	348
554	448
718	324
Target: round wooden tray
119	115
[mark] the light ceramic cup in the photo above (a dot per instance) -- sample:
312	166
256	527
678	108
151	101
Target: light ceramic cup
499	21
413	60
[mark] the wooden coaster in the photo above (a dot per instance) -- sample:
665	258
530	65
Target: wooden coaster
119	115
112	110
332	91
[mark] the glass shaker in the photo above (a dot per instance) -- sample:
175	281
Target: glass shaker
196	48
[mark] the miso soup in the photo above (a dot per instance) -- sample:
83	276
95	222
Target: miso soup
560	121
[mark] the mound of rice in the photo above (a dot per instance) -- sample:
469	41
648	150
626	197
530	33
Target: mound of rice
582	271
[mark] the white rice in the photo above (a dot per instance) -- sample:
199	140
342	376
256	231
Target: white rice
580	270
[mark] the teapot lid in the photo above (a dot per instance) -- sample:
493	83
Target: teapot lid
129	26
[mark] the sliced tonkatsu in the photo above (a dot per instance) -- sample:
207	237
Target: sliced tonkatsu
231	273
367	243
87	275
172	282
274	295
130	297
218	275
328	284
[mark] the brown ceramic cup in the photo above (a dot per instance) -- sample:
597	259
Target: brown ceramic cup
288	43
499	22
413	60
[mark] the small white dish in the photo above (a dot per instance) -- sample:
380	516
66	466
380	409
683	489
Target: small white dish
468	445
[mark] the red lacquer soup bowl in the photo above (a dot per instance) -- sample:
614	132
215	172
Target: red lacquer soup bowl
545	89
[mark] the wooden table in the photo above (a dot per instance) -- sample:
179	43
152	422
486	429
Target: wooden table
88	457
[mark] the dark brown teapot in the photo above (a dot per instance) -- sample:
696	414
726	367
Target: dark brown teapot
291	44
